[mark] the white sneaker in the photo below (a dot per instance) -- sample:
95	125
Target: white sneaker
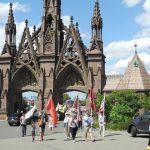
74	141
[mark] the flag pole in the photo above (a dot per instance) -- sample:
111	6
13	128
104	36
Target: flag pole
46	106
104	117
91	108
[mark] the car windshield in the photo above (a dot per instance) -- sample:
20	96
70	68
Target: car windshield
146	115
14	115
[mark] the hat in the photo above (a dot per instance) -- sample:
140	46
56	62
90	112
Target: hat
67	113
40	114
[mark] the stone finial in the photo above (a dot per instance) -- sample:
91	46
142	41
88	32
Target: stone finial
26	22
10	5
34	28
71	19
135	45
77	25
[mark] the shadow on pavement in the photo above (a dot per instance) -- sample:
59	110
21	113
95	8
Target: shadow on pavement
112	134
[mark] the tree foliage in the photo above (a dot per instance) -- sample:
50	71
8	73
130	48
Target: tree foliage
65	97
121	106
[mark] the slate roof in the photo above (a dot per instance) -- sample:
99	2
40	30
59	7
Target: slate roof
135	78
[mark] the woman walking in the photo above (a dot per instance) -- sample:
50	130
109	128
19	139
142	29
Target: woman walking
73	125
41	124
33	127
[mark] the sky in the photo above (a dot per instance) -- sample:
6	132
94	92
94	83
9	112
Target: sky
125	22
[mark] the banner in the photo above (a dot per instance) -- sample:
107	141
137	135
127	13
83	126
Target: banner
102	106
30	113
91	101
50	107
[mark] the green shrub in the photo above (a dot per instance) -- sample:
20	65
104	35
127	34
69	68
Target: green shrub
117	126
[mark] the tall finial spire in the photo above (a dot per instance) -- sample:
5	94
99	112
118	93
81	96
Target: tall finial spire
10	34
135	45
26	23
10	28
96	23
11	15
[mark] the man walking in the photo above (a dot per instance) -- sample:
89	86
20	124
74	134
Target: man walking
23	124
101	120
88	121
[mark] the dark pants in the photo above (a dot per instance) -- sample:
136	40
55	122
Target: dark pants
24	128
80	124
73	132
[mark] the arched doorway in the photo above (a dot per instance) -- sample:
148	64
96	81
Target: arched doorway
23	80
71	78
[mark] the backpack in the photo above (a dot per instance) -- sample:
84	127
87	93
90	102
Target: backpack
40	123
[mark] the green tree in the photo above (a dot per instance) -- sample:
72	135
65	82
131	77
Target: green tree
65	97
121	106
124	104
147	103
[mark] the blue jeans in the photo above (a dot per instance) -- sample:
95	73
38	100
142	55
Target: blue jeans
24	128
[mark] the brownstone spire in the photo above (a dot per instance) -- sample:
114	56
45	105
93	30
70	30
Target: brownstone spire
10	34
10	28
96	23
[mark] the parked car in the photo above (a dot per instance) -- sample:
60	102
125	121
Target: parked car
14	119
139	125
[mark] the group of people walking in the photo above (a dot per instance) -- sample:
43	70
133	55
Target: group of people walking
74	120
41	125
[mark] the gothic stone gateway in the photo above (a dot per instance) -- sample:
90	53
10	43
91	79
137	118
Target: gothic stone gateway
51	61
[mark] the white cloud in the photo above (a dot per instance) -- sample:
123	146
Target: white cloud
119	53
145	32
143	19
122	49
131	3
66	20
2	34
85	35
120	65
146	5
4	7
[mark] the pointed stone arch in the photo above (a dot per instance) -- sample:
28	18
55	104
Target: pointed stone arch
70	78
23	77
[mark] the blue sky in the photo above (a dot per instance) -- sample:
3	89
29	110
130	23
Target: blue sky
125	22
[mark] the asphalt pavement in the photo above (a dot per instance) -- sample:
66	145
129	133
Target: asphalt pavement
10	139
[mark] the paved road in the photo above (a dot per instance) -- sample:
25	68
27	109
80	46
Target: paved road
114	140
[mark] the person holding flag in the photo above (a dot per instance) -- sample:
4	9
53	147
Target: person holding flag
101	121
50	108
101	118
76	106
23	124
41	124
88	121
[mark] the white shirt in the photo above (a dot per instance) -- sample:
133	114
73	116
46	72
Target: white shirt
101	119
87	120
23	120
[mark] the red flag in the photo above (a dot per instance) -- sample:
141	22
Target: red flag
52	110
76	103
91	104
